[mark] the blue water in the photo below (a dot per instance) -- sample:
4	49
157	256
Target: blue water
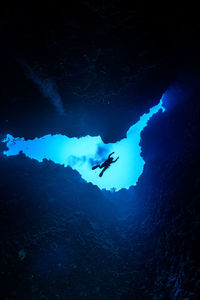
84	152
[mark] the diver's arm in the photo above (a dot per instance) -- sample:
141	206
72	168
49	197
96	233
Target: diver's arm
116	159
110	154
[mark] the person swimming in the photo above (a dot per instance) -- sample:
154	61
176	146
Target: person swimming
107	163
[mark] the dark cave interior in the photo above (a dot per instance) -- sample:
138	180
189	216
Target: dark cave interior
107	63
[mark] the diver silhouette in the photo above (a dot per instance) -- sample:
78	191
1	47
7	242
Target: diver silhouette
110	160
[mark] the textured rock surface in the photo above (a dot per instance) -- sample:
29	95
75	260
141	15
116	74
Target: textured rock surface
62	238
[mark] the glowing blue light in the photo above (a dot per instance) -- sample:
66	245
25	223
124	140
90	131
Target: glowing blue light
83	153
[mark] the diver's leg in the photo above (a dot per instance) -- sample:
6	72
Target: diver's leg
101	174
97	166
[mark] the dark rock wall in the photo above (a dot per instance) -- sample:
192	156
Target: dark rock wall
60	237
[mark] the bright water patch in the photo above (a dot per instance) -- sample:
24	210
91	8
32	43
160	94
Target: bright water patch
84	152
